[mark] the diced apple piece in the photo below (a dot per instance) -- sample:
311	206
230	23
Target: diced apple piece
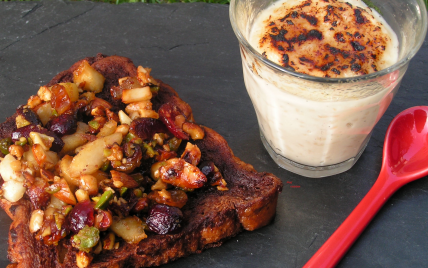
28	157
71	142
56	203
72	90
44	112
131	229
64	164
13	190
108	129
6	170
91	157
136	94
88	78
82	127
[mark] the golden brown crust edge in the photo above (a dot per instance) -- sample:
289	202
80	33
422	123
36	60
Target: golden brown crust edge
212	217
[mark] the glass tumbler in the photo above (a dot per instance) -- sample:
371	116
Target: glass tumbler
317	126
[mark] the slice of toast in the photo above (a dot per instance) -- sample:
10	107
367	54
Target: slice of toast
210	217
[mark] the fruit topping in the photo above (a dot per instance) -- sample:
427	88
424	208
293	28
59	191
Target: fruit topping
93	172
26	117
80	216
164	219
64	124
173	118
57	143
131	229
145	128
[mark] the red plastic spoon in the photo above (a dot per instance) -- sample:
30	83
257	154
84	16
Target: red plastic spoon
405	159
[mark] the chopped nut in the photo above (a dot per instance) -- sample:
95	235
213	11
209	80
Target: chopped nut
121	179
89	183
44	93
111	115
83	259
44	140
33	101
159	185
36	220
116	153
109	241
98	111
143	75
81	195
16	151
124	129
191	154
143	108
124	118
195	131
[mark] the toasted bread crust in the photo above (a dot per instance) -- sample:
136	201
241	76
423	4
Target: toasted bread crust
211	216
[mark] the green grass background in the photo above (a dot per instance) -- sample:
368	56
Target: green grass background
177	1
167	1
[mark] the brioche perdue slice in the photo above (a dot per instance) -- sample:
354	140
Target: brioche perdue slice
210	217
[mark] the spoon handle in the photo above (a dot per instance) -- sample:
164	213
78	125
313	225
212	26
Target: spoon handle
342	239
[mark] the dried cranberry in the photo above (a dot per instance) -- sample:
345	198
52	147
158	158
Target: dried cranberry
145	128
164	219
168	113
28	114
25	132
82	214
62	125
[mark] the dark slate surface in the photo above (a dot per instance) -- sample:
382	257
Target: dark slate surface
193	48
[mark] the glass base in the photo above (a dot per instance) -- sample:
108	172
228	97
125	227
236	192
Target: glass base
310	171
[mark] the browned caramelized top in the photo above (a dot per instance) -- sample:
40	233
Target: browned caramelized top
326	38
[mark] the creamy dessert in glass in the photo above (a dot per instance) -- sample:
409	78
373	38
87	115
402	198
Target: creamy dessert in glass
321	73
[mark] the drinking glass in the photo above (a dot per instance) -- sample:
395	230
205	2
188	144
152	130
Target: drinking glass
317	126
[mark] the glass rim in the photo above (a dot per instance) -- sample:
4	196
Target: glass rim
406	58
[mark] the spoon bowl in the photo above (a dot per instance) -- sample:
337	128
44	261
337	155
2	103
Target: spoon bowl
406	144
405	159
